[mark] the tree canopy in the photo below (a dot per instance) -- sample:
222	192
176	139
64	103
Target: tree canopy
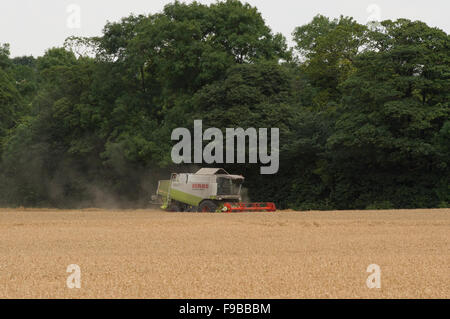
363	111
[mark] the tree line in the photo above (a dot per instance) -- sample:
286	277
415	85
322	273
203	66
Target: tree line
363	110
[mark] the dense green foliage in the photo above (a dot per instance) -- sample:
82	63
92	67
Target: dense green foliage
364	113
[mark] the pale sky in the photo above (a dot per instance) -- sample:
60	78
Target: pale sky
32	26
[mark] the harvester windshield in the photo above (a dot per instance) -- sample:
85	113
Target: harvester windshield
229	186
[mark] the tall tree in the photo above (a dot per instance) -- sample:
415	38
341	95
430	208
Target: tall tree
394	106
329	48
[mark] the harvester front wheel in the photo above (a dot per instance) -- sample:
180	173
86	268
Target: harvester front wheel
207	206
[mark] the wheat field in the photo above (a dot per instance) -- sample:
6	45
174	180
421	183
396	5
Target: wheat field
287	254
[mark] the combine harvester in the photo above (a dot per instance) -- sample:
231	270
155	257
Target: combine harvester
208	190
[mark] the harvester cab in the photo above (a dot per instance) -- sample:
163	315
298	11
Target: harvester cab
208	190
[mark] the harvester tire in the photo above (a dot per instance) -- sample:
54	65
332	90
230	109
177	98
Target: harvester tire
174	207
207	206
